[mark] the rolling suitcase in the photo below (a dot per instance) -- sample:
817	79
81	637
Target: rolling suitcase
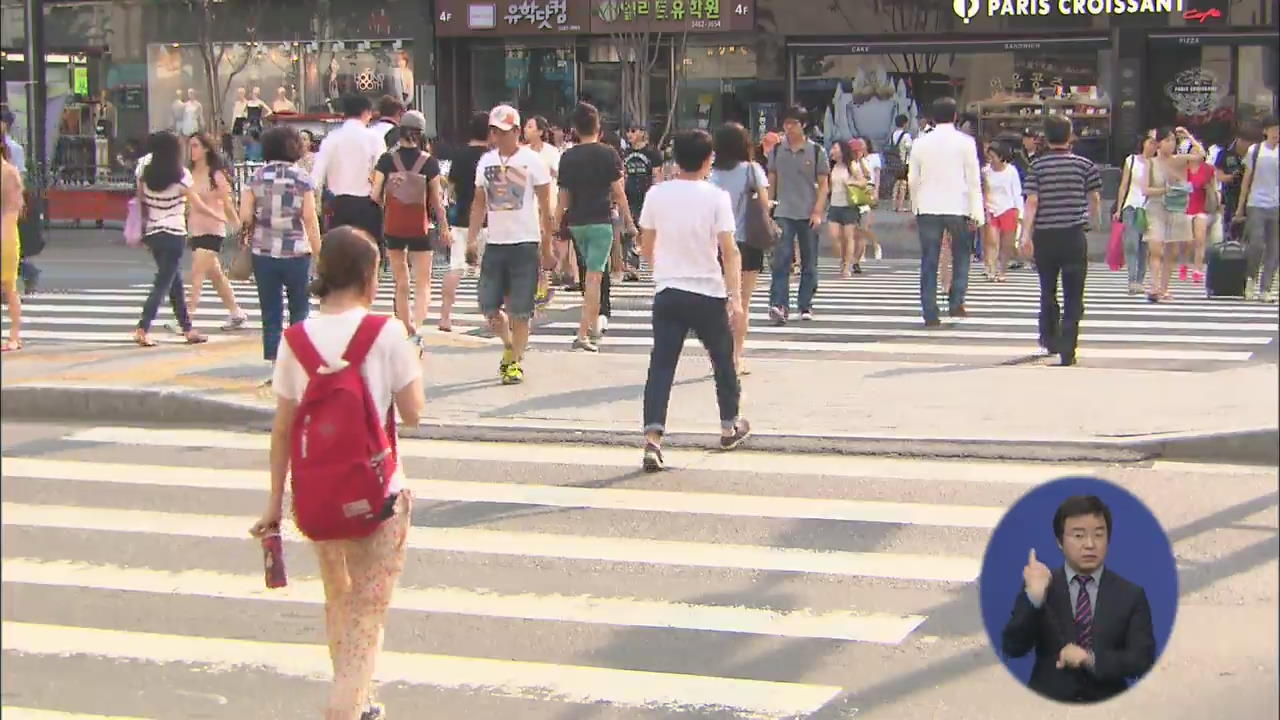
1225	269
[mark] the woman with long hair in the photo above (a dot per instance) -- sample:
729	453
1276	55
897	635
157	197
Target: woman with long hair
872	164
358	575
166	189
1132	208
207	231
842	214
736	173
279	222
1168	195
411	254
1004	208
11	202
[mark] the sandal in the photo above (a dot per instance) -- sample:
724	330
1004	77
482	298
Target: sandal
12	346
143	339
195	338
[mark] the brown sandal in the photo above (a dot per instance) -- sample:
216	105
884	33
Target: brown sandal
143	339
195	338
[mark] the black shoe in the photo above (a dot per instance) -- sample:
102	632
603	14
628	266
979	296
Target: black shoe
741	431
857	269
652	457
1068	359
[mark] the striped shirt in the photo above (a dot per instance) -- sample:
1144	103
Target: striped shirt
167	209
1062	181
278	189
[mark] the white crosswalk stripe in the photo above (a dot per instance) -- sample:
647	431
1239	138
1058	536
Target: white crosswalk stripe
877	315
55	502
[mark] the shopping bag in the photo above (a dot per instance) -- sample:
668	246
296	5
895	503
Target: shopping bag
1115	248
242	265
133	224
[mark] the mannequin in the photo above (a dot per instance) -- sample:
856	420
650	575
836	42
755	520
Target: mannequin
241	107
282	103
177	110
255	99
192	116
400	84
256	109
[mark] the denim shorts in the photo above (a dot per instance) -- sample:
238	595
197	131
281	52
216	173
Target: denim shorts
508	277
843	215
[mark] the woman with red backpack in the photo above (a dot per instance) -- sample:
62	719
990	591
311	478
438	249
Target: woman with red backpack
339	378
406	182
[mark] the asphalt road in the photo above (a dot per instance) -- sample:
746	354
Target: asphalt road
558	583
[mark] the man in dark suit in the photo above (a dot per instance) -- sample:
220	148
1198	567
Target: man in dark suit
1090	628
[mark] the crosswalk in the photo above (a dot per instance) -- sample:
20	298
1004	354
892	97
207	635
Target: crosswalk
874	316
537	581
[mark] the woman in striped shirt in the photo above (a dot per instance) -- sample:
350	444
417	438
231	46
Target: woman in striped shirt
166	189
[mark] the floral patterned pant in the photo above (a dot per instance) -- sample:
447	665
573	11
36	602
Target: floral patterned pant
359	577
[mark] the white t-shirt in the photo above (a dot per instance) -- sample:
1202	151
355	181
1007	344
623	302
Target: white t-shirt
167	209
1137	197
875	164
1004	189
551	156
508	185
1264	191
688	216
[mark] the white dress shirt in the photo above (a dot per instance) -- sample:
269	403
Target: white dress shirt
944	177
346	160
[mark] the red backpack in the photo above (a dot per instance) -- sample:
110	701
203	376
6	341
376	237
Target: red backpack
405	199
341	454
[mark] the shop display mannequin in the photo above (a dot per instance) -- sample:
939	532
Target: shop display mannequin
192	116
282	103
256	108
240	110
177	110
400	84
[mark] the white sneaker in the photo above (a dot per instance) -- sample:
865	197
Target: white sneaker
602	324
878	252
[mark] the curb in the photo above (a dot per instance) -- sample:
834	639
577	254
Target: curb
181	407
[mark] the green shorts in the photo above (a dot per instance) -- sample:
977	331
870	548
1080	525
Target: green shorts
595	243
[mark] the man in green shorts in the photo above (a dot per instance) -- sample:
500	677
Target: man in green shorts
591	181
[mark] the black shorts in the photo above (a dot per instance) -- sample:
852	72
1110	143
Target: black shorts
357	211
416	244
752	258
212	243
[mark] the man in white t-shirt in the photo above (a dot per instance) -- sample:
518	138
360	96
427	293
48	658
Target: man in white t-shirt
1259	210
513	191
686	236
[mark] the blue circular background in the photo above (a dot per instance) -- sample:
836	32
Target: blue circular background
1139	551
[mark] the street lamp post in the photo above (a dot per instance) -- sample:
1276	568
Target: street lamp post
37	100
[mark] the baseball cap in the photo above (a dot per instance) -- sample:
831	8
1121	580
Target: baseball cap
414	120
504	117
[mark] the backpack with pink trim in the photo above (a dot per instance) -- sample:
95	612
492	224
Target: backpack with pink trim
341	454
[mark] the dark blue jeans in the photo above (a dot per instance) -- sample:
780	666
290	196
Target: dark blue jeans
274	277
780	288
931	228
167	250
675	313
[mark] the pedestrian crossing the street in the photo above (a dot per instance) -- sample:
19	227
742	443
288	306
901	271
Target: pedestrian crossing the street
875	316
538	579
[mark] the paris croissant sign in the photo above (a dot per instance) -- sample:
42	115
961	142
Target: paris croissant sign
967	10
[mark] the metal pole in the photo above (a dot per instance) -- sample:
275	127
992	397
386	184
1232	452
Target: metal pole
37	101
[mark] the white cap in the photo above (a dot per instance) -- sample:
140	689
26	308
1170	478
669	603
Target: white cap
504	117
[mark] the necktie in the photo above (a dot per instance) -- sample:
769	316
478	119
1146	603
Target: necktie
1084	613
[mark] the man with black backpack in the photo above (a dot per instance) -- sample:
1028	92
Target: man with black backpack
799	172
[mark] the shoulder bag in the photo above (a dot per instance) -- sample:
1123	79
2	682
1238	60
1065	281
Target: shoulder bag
760	232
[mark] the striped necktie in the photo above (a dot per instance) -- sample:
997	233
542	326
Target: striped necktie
1084	613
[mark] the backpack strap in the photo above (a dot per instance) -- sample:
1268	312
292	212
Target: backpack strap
304	350
395	160
363	338
420	162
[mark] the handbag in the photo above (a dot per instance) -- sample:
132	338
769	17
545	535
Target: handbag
1140	219
241	268
1115	248
759	226
135	220
858	196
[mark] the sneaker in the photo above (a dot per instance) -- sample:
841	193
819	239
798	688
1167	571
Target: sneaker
1182	273
602	325
652	457
234	323
1250	286
1135	288
1197	277
513	375
778	315
506	362
741	431
806	315
170	327
878	254
585	344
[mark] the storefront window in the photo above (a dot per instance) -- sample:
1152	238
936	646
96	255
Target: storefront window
337	70
861	95
538	80
252	80
1211	88
719	86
